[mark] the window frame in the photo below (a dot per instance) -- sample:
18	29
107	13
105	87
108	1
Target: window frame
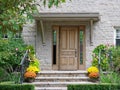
117	28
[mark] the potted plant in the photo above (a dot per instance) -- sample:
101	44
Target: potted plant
29	76
93	73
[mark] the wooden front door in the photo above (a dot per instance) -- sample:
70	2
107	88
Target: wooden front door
68	58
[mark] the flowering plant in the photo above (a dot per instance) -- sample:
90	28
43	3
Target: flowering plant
33	69
94	75
93	72
35	62
30	74
92	69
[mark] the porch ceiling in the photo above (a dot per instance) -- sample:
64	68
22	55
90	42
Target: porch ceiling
67	16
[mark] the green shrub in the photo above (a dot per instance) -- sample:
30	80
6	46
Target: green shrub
116	59
3	75
11	51
110	77
104	50
94	87
35	62
16	87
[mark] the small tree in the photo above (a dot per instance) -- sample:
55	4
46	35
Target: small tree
15	13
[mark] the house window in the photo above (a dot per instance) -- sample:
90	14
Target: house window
5	36
54	46
118	37
17	35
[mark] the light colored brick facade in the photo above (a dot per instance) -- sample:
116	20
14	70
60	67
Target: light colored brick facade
103	30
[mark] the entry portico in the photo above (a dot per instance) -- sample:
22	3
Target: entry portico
64	37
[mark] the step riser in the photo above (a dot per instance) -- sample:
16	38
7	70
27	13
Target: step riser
63	80
51	85
57	88
61	75
49	89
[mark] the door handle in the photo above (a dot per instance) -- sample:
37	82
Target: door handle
75	52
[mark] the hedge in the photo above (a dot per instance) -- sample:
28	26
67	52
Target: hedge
16	87
94	87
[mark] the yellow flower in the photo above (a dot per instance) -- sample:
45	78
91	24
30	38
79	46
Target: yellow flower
92	69
33	69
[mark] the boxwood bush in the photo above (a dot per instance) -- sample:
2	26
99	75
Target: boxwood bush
16	87
94	87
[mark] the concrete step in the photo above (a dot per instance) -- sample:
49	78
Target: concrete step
61	79
62	73
58	80
50	88
57	84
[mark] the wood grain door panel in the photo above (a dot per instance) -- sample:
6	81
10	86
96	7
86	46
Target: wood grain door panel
68	48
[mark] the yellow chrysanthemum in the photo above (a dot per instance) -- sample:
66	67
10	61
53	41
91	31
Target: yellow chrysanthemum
33	69
92	69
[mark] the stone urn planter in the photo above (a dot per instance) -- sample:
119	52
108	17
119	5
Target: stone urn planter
30	80
29	76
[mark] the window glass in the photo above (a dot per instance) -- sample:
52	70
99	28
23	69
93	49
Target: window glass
17	35
4	36
81	38
54	46
118	37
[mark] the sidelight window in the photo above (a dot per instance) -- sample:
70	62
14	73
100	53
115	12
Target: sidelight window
81	40
54	46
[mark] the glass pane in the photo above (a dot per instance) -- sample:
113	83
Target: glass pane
118	31
54	46
118	34
17	35
54	37
117	42
4	36
81	36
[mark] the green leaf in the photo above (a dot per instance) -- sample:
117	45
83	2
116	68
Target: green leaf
0	27
5	22
56	2
63	1
44	2
50	3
